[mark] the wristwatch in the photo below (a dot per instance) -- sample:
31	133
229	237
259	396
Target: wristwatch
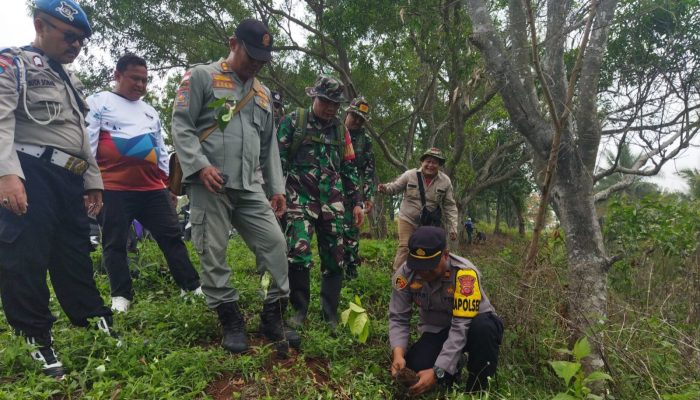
439	372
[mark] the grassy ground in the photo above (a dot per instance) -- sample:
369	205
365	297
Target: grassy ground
171	345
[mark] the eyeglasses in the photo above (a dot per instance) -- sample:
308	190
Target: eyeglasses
69	37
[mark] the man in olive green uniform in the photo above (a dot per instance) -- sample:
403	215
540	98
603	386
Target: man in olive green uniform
317	156
49	183
224	176
356	116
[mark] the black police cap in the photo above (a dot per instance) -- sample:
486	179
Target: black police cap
425	248
256	39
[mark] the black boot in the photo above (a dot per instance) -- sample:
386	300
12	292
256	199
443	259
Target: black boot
42	351
289	333
233	326
300	293
330	297
272	326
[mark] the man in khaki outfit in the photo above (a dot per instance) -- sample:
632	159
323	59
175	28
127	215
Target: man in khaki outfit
224	175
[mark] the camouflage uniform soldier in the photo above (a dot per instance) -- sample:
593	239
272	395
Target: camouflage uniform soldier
317	154
356	115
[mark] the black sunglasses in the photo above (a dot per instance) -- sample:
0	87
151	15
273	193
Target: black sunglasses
69	37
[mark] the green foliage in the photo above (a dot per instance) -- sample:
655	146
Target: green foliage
575	379
357	320
656	223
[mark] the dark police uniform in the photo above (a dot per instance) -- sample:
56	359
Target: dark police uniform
43	141
456	316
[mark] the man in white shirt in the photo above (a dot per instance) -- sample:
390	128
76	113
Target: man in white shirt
127	141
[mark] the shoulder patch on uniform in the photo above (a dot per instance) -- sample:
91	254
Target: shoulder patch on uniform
182	97
400	282
3	67
467	294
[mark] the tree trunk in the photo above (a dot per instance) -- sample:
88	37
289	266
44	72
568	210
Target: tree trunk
519	215
587	287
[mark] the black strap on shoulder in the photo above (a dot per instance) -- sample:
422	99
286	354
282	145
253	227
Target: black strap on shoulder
299	132
420	188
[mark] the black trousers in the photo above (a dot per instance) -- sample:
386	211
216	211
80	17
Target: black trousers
483	340
154	210
53	236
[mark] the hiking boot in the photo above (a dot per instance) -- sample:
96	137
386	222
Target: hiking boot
292	336
120	304
272	326
233	325
43	352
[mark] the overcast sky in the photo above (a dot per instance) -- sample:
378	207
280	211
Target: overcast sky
18	30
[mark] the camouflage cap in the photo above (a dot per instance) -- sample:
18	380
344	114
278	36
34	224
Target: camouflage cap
328	87
359	106
434	152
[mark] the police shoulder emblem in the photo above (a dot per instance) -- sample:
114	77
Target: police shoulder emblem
67	11
467	294
400	282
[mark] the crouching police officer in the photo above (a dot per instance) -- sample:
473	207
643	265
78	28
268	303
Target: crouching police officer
455	316
49	183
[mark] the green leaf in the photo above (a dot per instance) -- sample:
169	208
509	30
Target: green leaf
227	117
217	103
357	300
597	376
362	338
565	369
582	348
344	316
354	307
358	324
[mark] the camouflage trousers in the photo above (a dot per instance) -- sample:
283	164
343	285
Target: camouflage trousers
351	240
300	231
